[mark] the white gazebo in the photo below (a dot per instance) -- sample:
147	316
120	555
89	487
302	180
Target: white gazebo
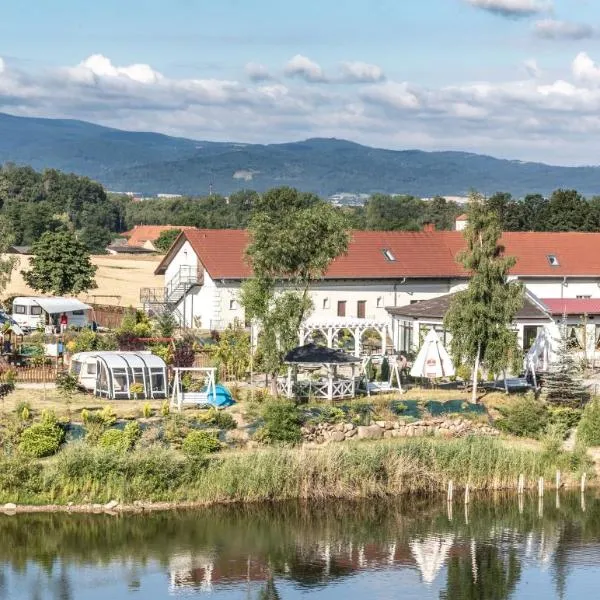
331	327
432	361
313	358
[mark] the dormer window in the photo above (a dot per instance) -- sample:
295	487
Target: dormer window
553	260
387	254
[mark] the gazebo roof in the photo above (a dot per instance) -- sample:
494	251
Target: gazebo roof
319	355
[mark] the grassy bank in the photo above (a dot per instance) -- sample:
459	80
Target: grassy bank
81	474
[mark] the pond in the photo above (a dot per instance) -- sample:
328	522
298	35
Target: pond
499	548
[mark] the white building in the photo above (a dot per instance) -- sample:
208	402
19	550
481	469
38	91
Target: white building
205	268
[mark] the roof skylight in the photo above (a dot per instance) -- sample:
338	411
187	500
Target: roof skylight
553	260
388	255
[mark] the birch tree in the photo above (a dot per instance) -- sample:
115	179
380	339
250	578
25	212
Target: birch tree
479	317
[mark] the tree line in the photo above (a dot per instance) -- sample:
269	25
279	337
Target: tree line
35	202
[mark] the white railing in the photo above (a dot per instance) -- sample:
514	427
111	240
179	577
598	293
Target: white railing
337	389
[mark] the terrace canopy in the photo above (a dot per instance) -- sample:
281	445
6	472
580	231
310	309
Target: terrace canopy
332	386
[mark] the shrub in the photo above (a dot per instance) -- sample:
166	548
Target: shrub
147	410
384	374
176	429
281	423
565	418
66	383
23	411
524	417
137	389
133	432
165	409
97	422
588	431
199	443
219	418
114	439
42	439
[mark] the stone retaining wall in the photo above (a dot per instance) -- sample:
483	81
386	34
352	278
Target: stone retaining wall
448	428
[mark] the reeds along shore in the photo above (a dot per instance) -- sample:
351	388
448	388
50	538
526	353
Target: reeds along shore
82	474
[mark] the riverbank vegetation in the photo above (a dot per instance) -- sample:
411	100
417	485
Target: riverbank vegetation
83	474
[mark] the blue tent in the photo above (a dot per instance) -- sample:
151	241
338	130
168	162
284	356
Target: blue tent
223	397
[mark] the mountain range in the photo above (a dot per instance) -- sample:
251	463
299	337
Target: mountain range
150	163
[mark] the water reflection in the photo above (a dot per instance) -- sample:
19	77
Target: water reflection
273	552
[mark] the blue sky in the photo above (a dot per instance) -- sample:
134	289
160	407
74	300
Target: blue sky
513	78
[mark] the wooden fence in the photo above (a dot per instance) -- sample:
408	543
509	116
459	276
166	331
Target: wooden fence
43	374
108	316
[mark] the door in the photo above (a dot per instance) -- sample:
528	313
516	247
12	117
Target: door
341	308
361	309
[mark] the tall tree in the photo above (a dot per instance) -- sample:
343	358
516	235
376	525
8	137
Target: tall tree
61	265
294	238
480	316
7	261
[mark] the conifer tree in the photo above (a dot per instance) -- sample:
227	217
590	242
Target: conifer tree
563	384
479	317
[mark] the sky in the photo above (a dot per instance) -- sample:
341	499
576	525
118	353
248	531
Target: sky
516	79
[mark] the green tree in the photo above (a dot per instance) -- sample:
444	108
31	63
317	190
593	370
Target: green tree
233	350
294	237
96	238
166	239
563	384
7	262
480	316
60	265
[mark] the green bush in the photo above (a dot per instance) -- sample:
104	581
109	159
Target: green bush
524	417
133	432
588	431
66	383
565	418
281	423
218	418
199	443
114	439
384	374
42	439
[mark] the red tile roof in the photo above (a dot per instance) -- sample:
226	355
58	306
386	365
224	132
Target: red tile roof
144	233
573	306
410	254
462	217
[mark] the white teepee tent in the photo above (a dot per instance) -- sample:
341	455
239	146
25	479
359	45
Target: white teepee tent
430	554
432	360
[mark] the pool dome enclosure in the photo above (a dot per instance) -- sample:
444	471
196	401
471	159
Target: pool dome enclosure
113	374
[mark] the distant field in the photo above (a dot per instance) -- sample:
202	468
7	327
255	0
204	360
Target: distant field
119	279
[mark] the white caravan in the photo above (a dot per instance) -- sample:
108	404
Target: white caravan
31	312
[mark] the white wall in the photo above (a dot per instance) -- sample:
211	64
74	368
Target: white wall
185	257
556	288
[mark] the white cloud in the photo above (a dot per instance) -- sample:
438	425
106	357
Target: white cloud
1	65
585	69
513	8
257	72
535	117
361	72
531	67
98	66
305	68
552	29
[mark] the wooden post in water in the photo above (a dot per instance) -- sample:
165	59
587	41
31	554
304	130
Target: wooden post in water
467	494
583	479
541	487
521	485
557	479
521	503
450	491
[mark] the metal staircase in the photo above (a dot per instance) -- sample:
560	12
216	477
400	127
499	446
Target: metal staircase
158	301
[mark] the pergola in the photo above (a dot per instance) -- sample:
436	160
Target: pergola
357	327
330	387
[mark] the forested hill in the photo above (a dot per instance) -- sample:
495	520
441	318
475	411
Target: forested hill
151	163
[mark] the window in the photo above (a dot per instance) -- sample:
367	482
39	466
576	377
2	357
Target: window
553	260
380	302
232	304
341	311
35	310
19	309
530	333
406	336
387	254
91	369
583	297
78	313
325	303
361	309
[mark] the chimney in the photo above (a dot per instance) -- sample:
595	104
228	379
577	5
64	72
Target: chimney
428	227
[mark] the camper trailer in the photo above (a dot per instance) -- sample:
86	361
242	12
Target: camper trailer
31	312
111	374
